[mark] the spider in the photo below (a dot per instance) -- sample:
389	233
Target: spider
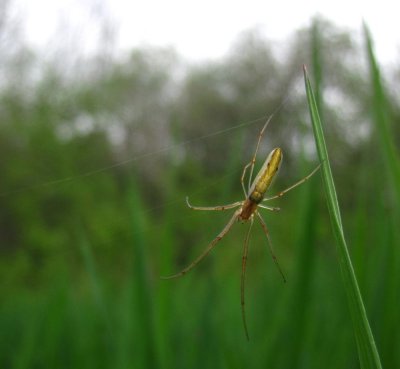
248	210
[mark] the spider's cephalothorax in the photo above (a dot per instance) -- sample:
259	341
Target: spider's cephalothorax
248	210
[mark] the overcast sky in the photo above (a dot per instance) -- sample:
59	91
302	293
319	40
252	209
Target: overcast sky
203	29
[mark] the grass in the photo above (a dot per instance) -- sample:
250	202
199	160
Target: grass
390	160
105	306
368	354
381	114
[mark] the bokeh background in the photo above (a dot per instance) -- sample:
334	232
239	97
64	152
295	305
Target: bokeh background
98	150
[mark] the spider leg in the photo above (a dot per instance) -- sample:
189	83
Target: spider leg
253	160
269	207
208	208
271	249
208	249
243	175
243	276
280	194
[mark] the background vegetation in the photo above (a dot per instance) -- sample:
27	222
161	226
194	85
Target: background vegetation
96	157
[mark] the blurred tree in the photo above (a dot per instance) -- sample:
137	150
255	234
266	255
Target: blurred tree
60	126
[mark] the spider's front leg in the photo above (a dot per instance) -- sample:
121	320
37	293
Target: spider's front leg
214	208
209	247
298	183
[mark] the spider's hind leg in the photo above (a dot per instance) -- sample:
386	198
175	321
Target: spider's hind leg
243	276
271	249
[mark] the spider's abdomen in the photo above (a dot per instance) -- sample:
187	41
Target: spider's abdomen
265	176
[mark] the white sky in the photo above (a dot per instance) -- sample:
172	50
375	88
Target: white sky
203	29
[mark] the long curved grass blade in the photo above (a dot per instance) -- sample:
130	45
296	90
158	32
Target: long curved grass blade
384	130
368	353
382	122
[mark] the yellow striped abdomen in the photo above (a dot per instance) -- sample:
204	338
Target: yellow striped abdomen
265	176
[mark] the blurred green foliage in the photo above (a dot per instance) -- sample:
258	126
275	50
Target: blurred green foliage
96	161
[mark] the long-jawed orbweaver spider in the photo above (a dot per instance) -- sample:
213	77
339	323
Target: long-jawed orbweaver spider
248	210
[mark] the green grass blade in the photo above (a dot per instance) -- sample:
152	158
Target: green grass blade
95	284
142	291
381	119
368	354
384	123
